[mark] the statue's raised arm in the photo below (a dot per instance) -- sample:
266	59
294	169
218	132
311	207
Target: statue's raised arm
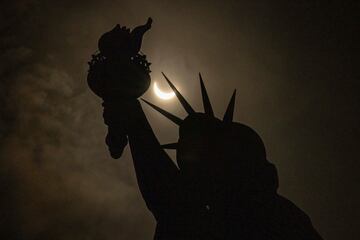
119	74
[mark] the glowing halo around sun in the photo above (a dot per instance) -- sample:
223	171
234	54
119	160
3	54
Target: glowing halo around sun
161	94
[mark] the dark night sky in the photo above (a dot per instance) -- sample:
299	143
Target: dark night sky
294	66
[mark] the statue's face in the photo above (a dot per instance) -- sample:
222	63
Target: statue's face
211	154
199	149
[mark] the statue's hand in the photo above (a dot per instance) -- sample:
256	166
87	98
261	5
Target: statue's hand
116	140
120	117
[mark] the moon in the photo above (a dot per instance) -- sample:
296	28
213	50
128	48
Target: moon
161	94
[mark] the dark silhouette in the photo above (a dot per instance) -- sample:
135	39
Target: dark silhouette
224	188
119	75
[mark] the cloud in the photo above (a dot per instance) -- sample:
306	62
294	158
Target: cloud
57	180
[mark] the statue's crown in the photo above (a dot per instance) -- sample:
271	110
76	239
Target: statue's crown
209	113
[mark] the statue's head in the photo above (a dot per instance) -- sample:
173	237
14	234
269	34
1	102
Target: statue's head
211	151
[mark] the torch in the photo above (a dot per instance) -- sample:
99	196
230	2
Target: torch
119	74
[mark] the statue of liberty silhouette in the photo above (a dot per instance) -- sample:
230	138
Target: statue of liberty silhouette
223	187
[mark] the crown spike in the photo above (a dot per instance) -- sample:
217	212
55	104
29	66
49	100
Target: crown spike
182	100
228	116
168	115
206	101
170	146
